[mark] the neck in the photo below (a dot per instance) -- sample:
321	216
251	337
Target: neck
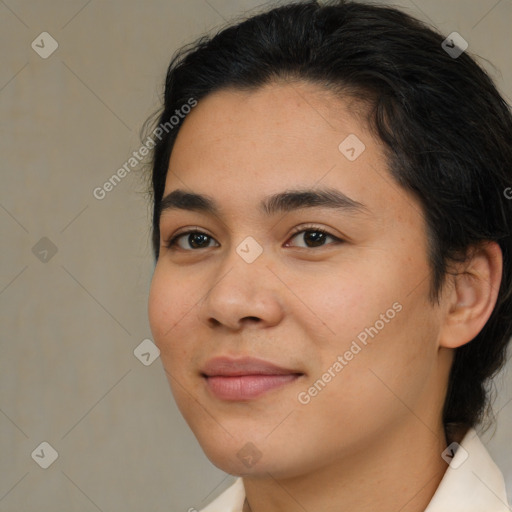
401	470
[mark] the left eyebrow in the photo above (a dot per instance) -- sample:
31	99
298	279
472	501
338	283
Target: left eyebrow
290	200
282	202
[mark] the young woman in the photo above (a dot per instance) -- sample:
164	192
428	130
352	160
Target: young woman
332	236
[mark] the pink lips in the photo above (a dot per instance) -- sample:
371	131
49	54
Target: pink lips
245	378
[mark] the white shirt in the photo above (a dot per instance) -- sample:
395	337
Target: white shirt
472	483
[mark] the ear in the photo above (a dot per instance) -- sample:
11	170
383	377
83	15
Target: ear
472	295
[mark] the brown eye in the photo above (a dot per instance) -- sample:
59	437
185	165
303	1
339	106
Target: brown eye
314	237
194	240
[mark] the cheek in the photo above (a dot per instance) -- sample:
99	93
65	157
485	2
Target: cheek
167	309
374	302
158	312
348	301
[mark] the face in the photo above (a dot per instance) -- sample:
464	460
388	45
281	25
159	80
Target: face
292	330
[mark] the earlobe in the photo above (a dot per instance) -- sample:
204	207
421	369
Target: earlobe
472	296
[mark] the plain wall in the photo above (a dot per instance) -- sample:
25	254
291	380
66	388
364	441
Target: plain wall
70	321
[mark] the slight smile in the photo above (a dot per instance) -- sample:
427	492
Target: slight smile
245	378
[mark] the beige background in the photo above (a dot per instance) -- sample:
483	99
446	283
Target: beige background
70	325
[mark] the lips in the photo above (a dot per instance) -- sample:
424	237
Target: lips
245	378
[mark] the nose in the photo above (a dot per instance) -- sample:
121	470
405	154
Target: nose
242	294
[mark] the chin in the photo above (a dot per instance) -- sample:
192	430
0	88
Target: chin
258	459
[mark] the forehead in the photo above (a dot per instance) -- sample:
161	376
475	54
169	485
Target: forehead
281	121
242	146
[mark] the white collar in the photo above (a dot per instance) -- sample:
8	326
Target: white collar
471	483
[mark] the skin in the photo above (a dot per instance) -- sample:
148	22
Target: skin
374	432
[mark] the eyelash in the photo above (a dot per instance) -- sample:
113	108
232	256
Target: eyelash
170	244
